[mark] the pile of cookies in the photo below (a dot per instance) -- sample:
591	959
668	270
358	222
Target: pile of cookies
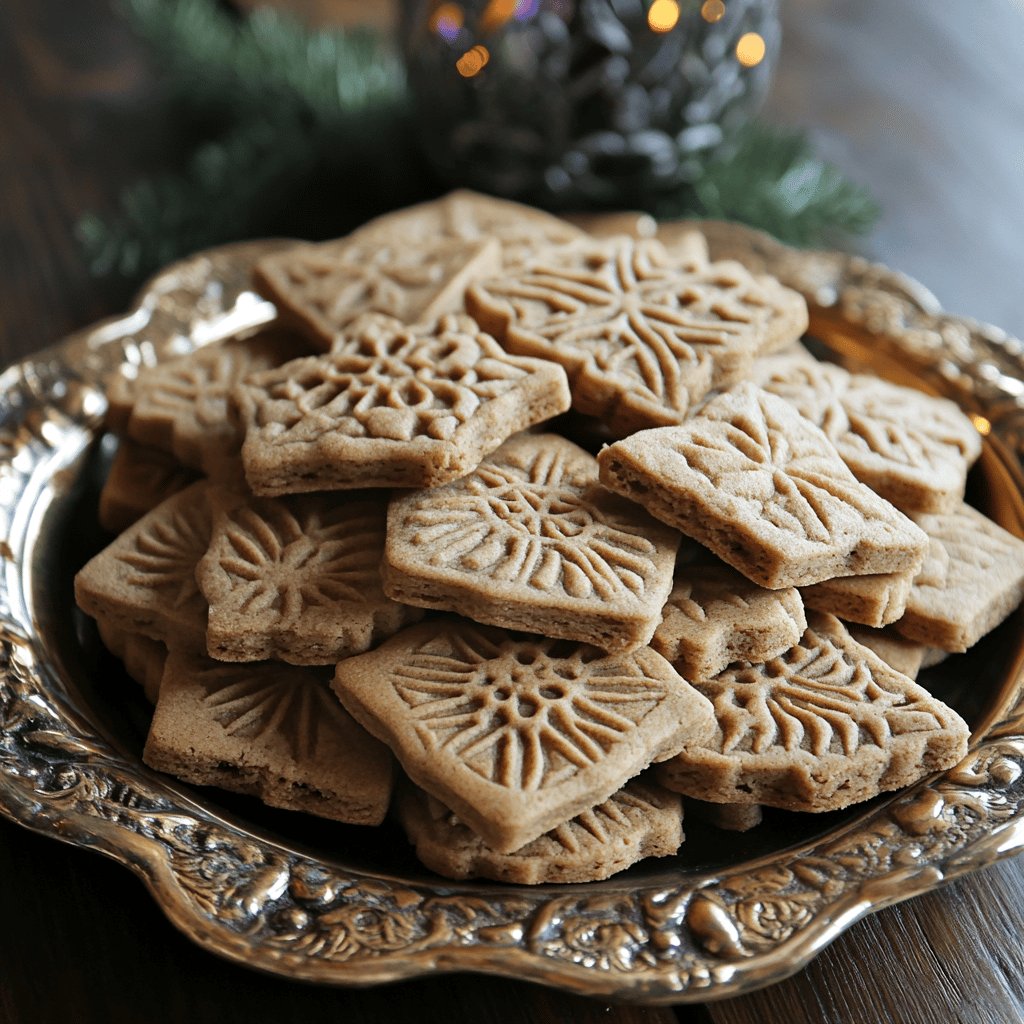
363	562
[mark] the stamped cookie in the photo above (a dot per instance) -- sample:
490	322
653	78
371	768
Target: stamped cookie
728	817
826	725
144	582
297	579
906	656
715	616
973	577
530	540
268	730
321	289
764	489
642	336
391	407
181	406
911	448
640	820
139	479
143	659
518	734
521	230
877	599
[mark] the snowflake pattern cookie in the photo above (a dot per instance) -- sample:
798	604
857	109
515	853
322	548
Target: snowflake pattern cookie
391	407
518	734
530	540
642	336
297	579
765	490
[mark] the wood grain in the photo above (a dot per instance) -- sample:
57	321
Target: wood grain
82	940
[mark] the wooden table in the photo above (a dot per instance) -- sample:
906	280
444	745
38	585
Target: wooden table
915	103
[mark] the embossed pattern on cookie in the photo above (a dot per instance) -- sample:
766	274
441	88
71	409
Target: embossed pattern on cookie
972	579
530	540
181	406
322	288
269	730
642	336
911	448
826	725
297	579
139	479
640	820
518	734
470	216
144	581
715	616
391	407
765	490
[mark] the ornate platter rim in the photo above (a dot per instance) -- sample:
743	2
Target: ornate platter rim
283	910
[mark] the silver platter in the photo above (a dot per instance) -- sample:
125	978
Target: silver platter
326	904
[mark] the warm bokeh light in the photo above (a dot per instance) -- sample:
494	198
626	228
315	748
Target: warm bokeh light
496	13
472	62
750	50
663	15
982	425
446	21
712	10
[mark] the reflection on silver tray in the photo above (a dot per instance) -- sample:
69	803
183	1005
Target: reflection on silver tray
666	931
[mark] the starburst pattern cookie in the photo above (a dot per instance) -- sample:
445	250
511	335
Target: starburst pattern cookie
640	820
322	288
181	406
297	579
715	616
269	730
642	336
530	540
826	725
765	490
518	734
911	448
973	577
391	407
144	582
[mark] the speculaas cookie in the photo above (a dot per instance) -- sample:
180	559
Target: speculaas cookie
973	577
518	734
765	490
143	658
728	817
269	730
715	616
297	578
139	479
320	289
391	407
642	336
530	540
472	217
911	448
181	406
640	820
906	656
144	581
877	599
826	725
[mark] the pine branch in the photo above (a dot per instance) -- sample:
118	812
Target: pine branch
772	180
252	66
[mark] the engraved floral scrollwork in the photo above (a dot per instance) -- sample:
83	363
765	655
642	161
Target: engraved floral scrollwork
672	937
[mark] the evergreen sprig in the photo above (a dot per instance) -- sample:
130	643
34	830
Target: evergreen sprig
291	112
